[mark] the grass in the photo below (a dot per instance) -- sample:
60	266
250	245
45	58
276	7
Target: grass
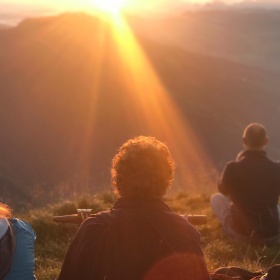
53	239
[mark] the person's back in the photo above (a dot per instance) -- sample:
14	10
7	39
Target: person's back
136	239
23	260
252	183
143	232
139	238
17	247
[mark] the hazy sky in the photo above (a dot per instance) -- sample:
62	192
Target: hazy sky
60	4
23	8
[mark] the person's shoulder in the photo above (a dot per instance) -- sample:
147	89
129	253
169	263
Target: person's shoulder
99	219
275	163
232	165
93	226
178	225
22	225
277	167
233	162
18	221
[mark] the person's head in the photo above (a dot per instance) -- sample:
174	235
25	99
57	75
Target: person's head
5	211
143	167
255	136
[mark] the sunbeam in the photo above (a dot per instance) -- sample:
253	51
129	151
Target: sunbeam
95	87
149	107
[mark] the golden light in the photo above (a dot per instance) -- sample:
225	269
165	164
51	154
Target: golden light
143	103
108	6
155	111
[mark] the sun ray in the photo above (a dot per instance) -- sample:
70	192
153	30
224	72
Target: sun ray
155	110
127	98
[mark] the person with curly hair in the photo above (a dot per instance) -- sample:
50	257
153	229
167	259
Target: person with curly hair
140	238
16	247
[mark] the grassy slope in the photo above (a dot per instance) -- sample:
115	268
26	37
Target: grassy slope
53	239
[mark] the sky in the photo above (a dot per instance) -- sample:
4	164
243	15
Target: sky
13	11
131	4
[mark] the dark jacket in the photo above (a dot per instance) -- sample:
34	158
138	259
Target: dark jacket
253	184
136	239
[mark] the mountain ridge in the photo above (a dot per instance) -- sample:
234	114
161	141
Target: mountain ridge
49	70
246	36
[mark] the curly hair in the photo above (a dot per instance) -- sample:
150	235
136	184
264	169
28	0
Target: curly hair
143	167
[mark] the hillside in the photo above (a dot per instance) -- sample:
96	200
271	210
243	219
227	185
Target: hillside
66	105
248	36
53	239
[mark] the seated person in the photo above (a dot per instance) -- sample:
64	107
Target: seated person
247	204
16	247
140	237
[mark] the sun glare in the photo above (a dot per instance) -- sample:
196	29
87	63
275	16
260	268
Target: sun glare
151	100
109	6
146	105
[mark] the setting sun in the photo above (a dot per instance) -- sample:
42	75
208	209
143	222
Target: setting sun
108	6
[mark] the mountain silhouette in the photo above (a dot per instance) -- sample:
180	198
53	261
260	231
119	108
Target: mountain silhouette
62	100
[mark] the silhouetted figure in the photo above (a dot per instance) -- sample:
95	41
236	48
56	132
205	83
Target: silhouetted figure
140	237
247	204
16	247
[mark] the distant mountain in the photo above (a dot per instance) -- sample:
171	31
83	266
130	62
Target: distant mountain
252	4
265	4
65	108
4	26
13	13
247	36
